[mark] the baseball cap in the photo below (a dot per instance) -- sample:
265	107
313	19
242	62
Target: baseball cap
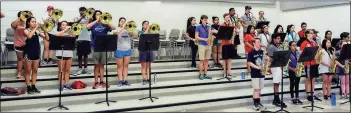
247	7
50	7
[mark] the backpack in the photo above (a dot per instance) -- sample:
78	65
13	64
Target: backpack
10	91
78	85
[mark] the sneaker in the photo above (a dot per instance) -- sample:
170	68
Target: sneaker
278	103
96	85
62	87
126	83
201	77
299	101
120	84
29	90
325	97
220	65
104	85
35	90
261	107
85	71
207	77
343	97
67	87
256	107
43	63
316	98
309	98
348	96
80	71
144	82
294	101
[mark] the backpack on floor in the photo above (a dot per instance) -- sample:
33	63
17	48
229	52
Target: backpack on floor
78	85
10	91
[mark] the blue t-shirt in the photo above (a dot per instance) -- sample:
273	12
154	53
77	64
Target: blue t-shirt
98	29
203	33
294	57
255	57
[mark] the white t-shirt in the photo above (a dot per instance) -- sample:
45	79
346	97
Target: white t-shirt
326	60
65	53
54	30
264	39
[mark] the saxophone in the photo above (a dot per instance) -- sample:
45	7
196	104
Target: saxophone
319	57
211	37
332	67
299	68
266	66
253	21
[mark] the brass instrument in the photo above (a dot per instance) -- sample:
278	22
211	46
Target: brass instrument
211	37
347	66
89	13
299	69
57	14
196	42
319	57
76	29
154	28
130	26
24	15
332	67
105	18
47	26
286	66
266	66
237	22
253	20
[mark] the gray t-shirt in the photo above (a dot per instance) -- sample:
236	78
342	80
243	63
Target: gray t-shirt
247	18
124	40
272	48
85	34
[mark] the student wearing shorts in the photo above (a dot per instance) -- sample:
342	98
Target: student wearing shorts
19	42
123	51
145	57
255	60
32	53
99	58
227	47
202	34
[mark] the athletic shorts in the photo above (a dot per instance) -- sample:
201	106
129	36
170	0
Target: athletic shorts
257	83
20	49
228	51
121	54
313	70
146	56
99	57
277	74
64	58
83	48
204	52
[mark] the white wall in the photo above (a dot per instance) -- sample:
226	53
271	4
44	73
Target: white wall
335	18
168	14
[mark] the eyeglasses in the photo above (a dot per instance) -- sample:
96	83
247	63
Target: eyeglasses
293	45
304	26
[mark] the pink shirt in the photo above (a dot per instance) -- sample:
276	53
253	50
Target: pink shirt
19	37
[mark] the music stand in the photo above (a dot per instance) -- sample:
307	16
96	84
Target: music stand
104	43
61	43
281	59
225	33
334	42
345	55
149	42
260	24
308	55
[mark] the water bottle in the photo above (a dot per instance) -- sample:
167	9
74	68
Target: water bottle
333	99
155	78
242	75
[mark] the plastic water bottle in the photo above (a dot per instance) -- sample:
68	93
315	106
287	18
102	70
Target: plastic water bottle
242	75
333	99
155	78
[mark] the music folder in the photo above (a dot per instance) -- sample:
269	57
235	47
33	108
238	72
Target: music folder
260	24
225	33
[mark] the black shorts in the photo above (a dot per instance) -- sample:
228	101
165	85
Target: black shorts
64	58
313	71
228	51
83	48
31	56
20	49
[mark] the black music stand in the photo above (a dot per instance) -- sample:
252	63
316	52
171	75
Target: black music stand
149	42
260	24
281	59
308	55
345	55
104	43
61	43
225	33
334	42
